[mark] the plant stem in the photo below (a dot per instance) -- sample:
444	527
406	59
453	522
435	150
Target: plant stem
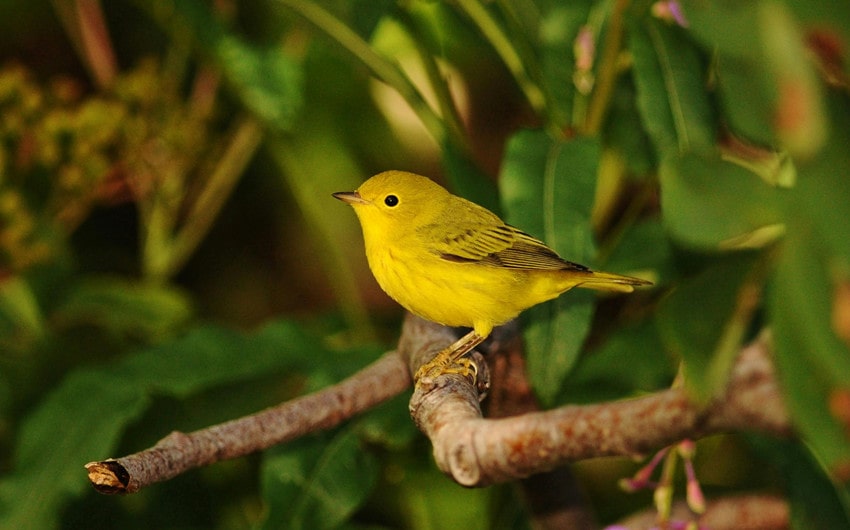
608	70
448	109
503	46
243	144
382	68
86	28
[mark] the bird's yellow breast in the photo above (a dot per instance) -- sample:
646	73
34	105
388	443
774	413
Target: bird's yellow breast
457	293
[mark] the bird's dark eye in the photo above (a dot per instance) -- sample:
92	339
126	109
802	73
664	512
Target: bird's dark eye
391	200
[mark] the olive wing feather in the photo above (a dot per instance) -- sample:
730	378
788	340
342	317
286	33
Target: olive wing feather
498	245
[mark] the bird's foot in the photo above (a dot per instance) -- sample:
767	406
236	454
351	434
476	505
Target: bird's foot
444	364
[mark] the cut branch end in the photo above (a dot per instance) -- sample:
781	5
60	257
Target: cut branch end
108	477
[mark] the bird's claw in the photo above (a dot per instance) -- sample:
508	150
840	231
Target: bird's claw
437	367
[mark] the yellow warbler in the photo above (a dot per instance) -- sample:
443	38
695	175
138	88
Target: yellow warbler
456	263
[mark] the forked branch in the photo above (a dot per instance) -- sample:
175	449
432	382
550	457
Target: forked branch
473	450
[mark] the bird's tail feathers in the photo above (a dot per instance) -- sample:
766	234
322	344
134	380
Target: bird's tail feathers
606	281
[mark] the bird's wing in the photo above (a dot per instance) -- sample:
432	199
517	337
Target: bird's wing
530	253
498	245
470	241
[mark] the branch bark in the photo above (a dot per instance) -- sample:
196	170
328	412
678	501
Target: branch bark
472	450
179	452
742	512
478	452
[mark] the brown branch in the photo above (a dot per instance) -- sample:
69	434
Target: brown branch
743	512
478	452
553	499
179	452
474	451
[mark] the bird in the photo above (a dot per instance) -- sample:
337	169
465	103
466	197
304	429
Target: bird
456	263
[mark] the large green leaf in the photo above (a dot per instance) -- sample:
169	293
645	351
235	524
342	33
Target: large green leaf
125	307
84	417
645	246
759	45
826	20
822	195
314	486
812	362
814	502
727	27
709	202
670	77
548	188
708	335
641	366
21	320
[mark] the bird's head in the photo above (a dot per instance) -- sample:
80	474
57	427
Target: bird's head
393	202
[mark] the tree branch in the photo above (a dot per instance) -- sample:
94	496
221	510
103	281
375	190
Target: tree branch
179	452
553	499
474	451
479	452
741	512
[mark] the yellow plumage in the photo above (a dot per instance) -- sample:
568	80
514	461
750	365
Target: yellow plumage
456	263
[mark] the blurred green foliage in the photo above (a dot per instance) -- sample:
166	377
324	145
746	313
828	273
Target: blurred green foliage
170	256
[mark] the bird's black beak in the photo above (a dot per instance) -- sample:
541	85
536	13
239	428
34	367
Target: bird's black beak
351	197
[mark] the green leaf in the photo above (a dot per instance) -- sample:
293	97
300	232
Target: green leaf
84	417
826	20
644	246
759	45
268	82
72	427
559	27
750	112
631	361
727	27
820	200
625	131
730	30
389	425
126	307
548	188
812	362
364	15
468	180
711	203
708	335
21	321
314	486
799	121
815	502
670	77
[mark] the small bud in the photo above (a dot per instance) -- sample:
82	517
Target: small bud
669	11
584	49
